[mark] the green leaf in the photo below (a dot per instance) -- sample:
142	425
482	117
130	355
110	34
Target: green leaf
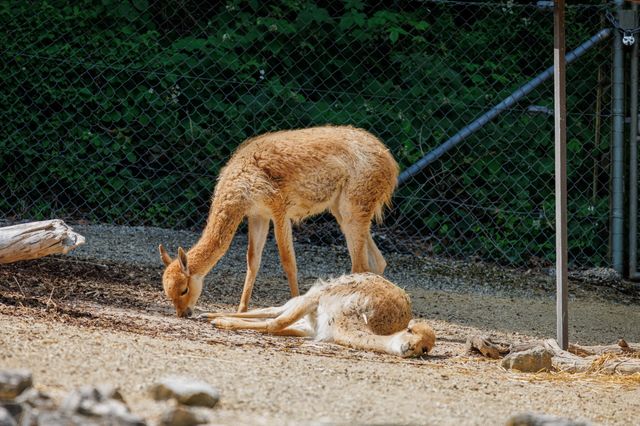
189	44
112	116
494	166
351	19
393	35
84	93
144	119
354	4
141	5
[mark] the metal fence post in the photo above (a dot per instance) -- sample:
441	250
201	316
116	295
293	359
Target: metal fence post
617	154
633	156
560	113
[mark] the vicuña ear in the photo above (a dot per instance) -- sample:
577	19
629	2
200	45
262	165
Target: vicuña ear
182	259
166	259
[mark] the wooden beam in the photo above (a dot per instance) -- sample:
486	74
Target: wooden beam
560	112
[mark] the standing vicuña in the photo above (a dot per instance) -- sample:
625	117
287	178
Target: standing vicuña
287	176
363	311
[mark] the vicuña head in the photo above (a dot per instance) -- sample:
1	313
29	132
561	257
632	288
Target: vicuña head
417	339
284	177
179	284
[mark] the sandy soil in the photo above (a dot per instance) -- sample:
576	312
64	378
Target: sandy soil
86	319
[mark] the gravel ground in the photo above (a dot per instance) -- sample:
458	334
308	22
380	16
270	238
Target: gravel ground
99	315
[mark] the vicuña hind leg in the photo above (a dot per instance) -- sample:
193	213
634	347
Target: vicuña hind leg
355	227
356	231
270	312
294	310
376	260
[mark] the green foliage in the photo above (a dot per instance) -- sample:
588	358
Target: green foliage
124	111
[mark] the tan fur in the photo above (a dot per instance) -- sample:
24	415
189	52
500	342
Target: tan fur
362	311
285	177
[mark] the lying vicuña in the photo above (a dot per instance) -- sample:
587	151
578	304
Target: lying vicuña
362	311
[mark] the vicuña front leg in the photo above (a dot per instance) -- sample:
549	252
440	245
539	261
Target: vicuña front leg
284	239
402	343
258	230
361	339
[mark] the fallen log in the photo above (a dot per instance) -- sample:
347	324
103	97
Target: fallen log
621	358
570	363
620	348
37	239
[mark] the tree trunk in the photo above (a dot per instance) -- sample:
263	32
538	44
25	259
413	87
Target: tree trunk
37	239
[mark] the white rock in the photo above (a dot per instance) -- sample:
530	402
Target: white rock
186	391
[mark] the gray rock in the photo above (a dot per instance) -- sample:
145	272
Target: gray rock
36	399
6	419
56	418
186	391
101	404
13	408
532	419
182	416
28	406
29	416
13	382
52	418
84	399
530	361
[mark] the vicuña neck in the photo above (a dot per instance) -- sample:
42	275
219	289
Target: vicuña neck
224	218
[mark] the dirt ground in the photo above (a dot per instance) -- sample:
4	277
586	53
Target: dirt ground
88	318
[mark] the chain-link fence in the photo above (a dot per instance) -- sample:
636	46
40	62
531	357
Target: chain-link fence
124	111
